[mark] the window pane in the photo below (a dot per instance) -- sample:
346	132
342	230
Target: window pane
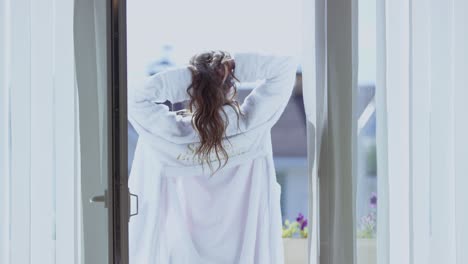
366	192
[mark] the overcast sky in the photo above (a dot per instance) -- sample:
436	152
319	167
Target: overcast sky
243	25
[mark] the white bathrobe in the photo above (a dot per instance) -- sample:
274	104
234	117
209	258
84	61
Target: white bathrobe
186	216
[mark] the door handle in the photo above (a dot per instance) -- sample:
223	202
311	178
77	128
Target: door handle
136	196
99	199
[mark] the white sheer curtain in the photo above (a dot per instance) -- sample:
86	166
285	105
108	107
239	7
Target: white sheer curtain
422	131
39	195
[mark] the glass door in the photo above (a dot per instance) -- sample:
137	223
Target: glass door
103	115
100	54
94	129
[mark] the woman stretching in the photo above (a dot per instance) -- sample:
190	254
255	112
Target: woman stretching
205	176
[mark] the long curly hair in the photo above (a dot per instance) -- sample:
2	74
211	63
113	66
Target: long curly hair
208	94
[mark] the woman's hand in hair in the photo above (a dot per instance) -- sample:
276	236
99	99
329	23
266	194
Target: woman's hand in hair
229	66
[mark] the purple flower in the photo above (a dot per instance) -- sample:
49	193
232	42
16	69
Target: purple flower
300	218
373	200
302	221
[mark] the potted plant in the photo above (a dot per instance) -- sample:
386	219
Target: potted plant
366	242
295	240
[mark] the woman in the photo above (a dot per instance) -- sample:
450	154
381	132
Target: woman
205	178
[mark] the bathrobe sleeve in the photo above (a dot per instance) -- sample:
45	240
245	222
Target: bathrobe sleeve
262	107
150	117
265	104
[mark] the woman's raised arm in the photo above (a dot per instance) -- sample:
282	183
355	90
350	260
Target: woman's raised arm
265	104
152	119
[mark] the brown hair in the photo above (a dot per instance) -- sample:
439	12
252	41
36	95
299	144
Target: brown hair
208	94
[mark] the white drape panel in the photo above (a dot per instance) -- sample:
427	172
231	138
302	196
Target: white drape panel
460	127
422	143
397	125
4	137
420	125
39	220
330	88
381	138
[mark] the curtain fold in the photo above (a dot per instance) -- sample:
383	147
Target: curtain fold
4	136
337	165
422	141
330	89
381	137
38	209
460	127
397	118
